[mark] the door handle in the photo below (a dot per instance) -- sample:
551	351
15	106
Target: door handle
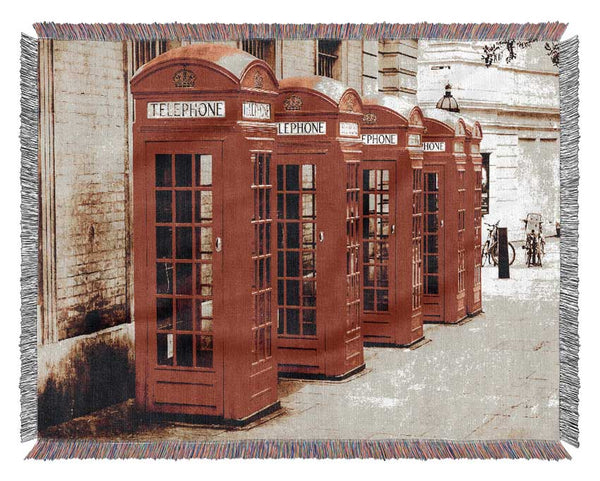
218	244
393	228
441	223
321	236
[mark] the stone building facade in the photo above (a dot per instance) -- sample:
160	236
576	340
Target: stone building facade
85	325
517	105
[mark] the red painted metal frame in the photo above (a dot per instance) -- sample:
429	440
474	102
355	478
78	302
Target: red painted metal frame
336	351
237	388
450	305
402	325
472	147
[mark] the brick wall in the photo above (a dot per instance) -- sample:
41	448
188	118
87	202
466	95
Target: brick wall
90	181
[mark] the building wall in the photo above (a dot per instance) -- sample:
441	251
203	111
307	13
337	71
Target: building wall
85	180
398	68
517	106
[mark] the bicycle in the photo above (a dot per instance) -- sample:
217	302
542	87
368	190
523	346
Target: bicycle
489	251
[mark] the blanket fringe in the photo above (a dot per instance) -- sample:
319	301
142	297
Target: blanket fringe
29	236
50	449
549	31
569	222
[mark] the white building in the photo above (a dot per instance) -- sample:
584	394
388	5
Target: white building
517	104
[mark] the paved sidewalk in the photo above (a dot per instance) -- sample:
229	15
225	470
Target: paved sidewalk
492	377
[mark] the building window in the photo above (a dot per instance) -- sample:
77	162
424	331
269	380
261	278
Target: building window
146	50
262	49
485	183
328	58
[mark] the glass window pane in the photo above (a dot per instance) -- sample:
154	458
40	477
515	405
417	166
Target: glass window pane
164	278
204	208
382	300
164	238
293	235
164	349
308	177
163	206
184	350
292	293
368	300
183	247
292	321
183	170
164	313
292	202
292	264
184	279
292	177
183	314
204	242
204	279
204	353
203	170
183	206
163	170
309	210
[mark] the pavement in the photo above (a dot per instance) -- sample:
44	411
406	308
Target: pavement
494	376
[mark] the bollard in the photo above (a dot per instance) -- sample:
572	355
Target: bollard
503	264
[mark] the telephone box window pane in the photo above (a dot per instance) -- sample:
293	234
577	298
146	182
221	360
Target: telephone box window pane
309	319
292	321
203	243
369	275
203	170
183	170
309	237
308	177
184	314
163	206
204	208
293	235
382	300
280	292
183	242
368	299
164	313
432	264
431	180
292	206
163	170
164	278
292	293
292	177
204	353
309	210
164	349
308	264
183	206
184	279
309	293
382	276
204	279
184	350
164	238
432	285
432	222
432	244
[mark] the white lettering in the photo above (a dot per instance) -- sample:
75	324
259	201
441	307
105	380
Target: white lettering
348	129
255	110
301	128
380	139
434	146
183	110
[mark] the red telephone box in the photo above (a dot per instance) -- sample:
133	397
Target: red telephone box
472	147
444	210
391	173
318	159
203	236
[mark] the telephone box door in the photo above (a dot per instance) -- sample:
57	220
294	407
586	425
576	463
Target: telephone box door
183	271
379	252
433	243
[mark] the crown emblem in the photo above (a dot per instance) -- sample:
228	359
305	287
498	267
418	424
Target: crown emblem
369	118
184	78
292	103
349	103
259	80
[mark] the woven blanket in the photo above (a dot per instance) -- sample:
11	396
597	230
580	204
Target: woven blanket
315	241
